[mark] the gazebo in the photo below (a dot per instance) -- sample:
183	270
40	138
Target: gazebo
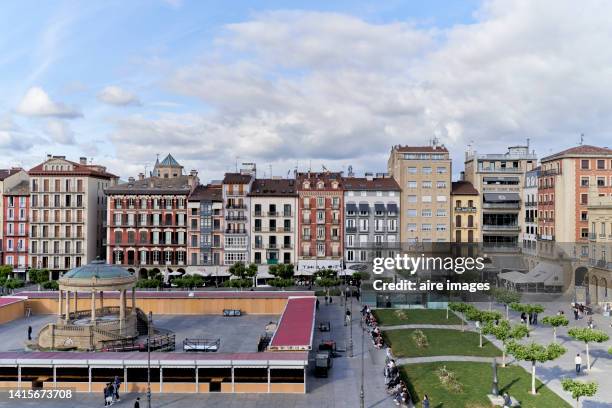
88	328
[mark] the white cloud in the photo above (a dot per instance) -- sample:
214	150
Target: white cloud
60	132
114	95
36	102
295	86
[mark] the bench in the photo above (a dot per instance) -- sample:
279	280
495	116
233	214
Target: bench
231	312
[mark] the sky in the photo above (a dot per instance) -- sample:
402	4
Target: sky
303	84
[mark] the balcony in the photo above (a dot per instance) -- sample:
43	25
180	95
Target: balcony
592	236
235	206
466	209
502	206
272	246
549	172
258	214
287	246
545	237
488	227
235	231
531	204
306	237
259	245
600	263
235	217
335	238
351	229
320	220
335	221
466	226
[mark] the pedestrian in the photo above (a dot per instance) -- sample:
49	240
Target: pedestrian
325	299
137	402
330	300
575	314
425	401
108	394
317	303
348	317
507	401
523	318
116	385
29	332
578	362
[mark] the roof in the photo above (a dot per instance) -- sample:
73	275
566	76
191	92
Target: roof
206	193
78	169
583	150
274	187
420	149
4	173
22	188
296	325
237	178
326	177
171	185
169	161
463	188
8	300
362	183
183	294
97	269
157	358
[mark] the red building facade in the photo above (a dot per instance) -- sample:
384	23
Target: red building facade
16	208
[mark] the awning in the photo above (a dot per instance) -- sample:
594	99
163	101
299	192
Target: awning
364	207
379	207
502	197
546	273
488	179
392	208
351	207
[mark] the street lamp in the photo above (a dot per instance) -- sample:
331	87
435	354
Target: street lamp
361	391
150	319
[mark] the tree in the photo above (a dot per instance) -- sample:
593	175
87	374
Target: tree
588	336
504	332
506	297
326	278
245	274
39	276
555	321
535	353
283	275
526	308
579	389
482	317
462	308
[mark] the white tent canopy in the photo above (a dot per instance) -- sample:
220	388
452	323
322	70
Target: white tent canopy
546	273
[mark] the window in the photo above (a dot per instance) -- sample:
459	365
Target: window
584	181
426	170
412	184
601	181
441	170
426	212
584	199
441	199
584	216
601	164
441	227
584	232
411	170
426	184
584	164
412	227
441	212
412	199
411	212
426	227
426	199
441	184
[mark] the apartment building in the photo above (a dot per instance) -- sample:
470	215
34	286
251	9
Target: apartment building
67	209
530	210
273	221
600	246
423	174
320	223
563	191
4	173
205	219
147	219
499	178
236	189
465	211
15	219
371	219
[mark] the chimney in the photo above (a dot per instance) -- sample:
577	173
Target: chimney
49	156
193	173
140	176
462	176
369	176
130	179
83	160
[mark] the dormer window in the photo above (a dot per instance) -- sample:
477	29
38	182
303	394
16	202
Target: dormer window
334	184
306	185
320	185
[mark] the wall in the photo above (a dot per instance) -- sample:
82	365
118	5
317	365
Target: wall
12	312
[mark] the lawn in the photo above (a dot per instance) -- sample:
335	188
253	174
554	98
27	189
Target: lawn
476	381
393	317
442	342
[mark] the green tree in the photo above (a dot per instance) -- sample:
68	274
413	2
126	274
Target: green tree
506	297
579	389
588	336
243	273
555	321
462	308
282	271
527	308
51	285
327	278
5	273
535	353
504	332
38	276
482	317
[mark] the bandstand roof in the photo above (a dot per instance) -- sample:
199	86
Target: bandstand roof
97	269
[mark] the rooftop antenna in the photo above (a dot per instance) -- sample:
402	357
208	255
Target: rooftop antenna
270	170
527	145
236	163
581	139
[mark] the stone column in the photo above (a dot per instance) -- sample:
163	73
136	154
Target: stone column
121	310
93	305
59	304
134	300
101	299
76	301
67	305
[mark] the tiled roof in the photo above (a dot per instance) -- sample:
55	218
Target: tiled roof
362	183
463	188
149	185
421	149
274	187
170	162
583	150
236	178
207	192
78	170
4	173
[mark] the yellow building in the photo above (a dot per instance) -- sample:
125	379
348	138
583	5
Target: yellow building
465	210
600	248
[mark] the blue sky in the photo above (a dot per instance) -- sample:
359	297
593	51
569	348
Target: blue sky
297	83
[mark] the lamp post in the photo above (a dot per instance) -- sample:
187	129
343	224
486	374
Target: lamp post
150	319
361	391
350	322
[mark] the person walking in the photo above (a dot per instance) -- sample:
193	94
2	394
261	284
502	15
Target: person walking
507	401
116	384
29	332
575	313
348	317
317	303
108	395
578	362
137	402
425	401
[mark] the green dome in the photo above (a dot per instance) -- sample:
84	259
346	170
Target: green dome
97	269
